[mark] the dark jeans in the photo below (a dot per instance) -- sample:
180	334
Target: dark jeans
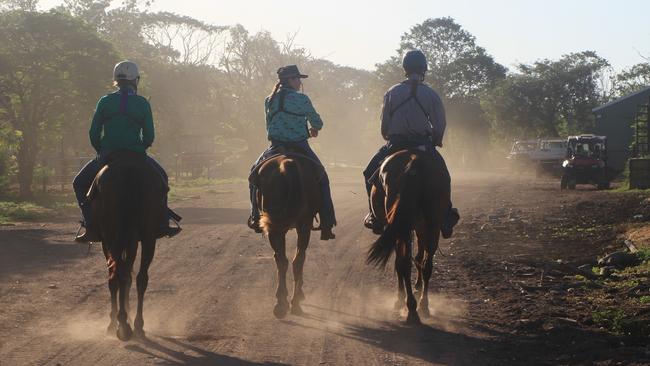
327	216
85	177
395	144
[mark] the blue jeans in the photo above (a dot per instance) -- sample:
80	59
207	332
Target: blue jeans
395	144
84	179
327	215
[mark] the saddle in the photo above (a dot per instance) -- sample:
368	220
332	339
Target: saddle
289	152
115	159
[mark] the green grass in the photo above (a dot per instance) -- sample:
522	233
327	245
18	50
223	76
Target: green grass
21	211
610	319
645	299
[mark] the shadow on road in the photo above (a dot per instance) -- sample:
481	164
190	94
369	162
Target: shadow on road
213	215
181	357
28	251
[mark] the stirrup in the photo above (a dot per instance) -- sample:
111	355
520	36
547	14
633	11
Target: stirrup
254	223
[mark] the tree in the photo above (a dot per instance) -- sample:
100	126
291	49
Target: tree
632	79
48	80
458	68
547	98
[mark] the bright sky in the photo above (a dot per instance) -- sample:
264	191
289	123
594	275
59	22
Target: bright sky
361	33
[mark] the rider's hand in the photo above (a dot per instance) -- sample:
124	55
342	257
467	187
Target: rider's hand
313	132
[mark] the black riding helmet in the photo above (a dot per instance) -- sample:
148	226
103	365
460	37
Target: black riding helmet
414	62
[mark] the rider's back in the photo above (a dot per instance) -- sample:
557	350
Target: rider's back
116	129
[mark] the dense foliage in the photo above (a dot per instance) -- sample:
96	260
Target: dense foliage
207	84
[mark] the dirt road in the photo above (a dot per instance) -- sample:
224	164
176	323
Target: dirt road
211	291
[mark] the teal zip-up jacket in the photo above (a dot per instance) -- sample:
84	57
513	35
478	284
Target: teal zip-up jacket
130	129
290	125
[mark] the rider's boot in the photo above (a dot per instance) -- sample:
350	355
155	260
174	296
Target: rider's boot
91	233
254	223
168	230
450	220
371	222
326	233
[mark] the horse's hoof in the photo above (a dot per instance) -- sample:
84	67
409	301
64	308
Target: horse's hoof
139	334
300	296
423	311
124	333
413	318
280	311
297	310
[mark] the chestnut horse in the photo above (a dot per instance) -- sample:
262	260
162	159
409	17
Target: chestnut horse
413	196
128	204
288	197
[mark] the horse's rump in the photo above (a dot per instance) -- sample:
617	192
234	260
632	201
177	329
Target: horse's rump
410	191
127	197
287	191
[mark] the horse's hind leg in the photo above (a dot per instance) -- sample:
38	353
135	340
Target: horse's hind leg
113	287
148	249
432	246
403	265
278	244
401	292
124	268
304	233
418	262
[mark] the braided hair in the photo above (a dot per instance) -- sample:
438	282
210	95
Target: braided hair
278	85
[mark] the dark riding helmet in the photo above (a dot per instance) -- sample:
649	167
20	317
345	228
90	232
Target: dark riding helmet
414	62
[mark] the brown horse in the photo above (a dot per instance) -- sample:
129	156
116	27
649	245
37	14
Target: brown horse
288	197
127	200
413	196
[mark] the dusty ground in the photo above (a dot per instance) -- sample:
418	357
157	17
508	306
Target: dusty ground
506	289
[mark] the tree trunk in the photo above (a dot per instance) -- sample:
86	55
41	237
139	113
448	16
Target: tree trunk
26	159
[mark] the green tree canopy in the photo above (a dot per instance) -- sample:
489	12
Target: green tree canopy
547	98
52	68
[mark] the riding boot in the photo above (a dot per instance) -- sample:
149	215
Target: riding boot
253	221
91	233
327	215
451	219
165	229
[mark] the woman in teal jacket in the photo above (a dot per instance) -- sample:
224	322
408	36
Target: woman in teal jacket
122	121
287	113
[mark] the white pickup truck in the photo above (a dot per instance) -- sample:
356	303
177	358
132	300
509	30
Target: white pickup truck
549	155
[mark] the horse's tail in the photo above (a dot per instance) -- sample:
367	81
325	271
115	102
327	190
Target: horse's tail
401	216
286	205
292	176
128	212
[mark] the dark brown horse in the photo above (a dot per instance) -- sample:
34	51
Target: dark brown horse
128	204
288	197
413	196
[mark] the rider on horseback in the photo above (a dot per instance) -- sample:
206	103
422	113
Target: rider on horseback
287	113
122	121
412	117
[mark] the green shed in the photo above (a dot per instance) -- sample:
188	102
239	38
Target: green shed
615	120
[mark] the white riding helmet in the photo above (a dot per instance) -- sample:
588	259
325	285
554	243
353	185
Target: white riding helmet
126	70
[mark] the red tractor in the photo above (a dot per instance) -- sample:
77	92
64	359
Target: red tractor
585	162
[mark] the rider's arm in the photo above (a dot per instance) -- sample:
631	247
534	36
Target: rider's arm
438	119
305	107
147	128
95	132
385	117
